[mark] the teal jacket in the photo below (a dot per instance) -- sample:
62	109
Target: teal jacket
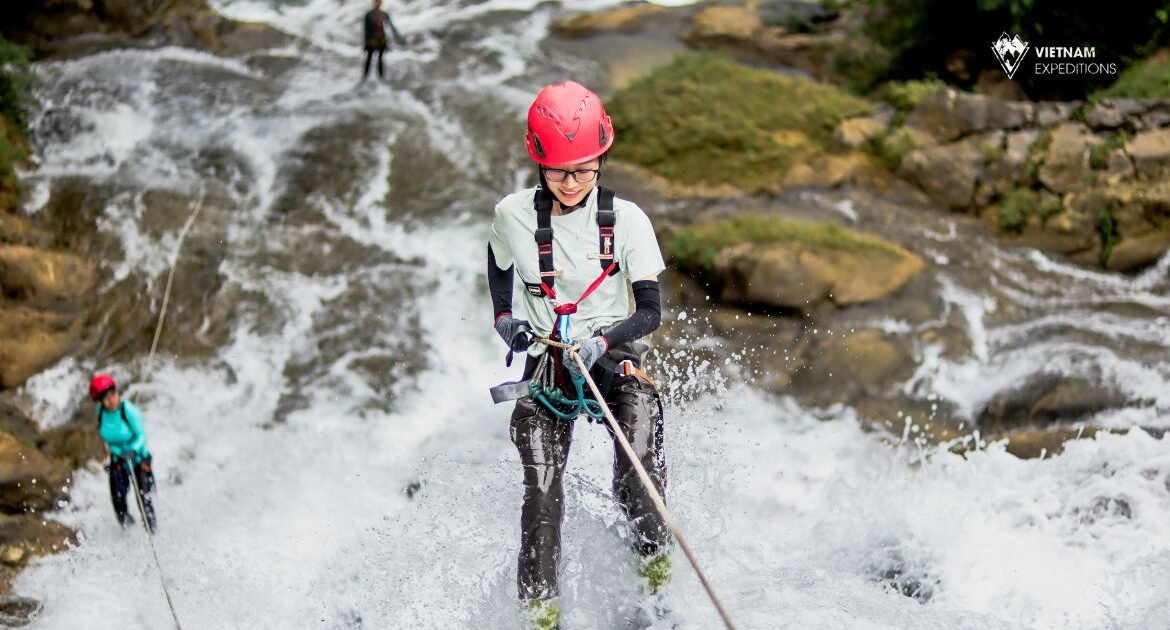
122	430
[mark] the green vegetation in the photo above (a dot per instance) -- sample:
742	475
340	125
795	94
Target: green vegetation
889	148
656	571
1149	78
1036	156
15	85
1107	232
546	614
695	247
906	95
703	119
1017	206
1099	153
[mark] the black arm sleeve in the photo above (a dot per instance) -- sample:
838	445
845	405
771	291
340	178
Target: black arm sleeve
646	318
499	285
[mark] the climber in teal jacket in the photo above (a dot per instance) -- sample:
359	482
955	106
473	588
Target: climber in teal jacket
120	425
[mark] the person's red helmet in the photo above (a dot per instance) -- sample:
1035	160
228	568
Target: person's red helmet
567	125
101	384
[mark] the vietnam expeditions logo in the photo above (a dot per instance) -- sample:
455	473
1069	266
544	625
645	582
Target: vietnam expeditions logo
1066	61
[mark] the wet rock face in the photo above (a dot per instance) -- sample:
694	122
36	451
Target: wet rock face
1045	400
29	480
18	612
46	294
804	277
69	28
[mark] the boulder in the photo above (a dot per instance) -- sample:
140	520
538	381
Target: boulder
1150	152
948	173
1138	252
71	28
1065	233
75	446
1052	112
949	114
1033	444
33	341
1111	113
853	366
17	612
723	24
1009	169
852	133
792	12
805	276
1066	164
623	18
1046	399
28	479
44	278
37	536
15	422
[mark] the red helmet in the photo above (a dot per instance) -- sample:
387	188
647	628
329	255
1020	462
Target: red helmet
567	125
101	384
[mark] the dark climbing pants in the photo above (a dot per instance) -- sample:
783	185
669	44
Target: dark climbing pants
543	442
369	57
122	493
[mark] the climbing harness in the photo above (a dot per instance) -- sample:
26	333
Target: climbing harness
544	390
606	218
567	401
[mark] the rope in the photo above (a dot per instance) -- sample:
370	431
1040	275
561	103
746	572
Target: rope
149	366
170	279
150	537
656	498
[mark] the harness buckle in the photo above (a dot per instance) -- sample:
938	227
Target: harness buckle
544	236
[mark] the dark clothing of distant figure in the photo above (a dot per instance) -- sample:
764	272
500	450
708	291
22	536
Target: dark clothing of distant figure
376	23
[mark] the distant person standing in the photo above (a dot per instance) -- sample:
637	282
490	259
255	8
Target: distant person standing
376	22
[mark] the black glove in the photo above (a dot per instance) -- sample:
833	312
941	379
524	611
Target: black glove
515	332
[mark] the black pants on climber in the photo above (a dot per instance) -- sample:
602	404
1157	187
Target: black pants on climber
120	489
370	52
543	442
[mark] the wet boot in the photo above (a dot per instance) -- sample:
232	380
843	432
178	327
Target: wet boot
145	477
545	614
656	571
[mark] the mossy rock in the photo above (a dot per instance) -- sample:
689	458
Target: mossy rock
791	265
703	119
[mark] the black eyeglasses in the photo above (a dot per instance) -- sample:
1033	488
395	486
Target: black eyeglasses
583	176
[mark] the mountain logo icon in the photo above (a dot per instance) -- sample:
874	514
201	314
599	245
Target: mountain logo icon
1010	51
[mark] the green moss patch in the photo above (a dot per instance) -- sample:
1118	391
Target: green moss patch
906	95
703	119
694	247
1018	205
1149	78
15	87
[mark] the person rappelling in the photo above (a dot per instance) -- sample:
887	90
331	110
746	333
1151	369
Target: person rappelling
120	425
577	248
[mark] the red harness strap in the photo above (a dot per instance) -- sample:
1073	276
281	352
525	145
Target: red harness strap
569	308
